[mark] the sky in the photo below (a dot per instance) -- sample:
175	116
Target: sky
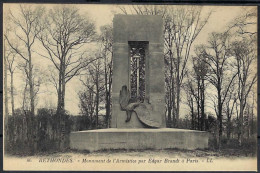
103	15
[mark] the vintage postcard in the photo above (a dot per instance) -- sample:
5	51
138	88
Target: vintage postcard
129	87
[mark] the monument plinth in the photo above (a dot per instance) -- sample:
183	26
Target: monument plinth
140	138
138	93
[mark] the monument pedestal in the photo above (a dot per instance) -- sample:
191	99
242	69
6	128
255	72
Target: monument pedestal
142	138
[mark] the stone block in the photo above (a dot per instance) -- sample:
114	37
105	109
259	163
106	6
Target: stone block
163	138
137	28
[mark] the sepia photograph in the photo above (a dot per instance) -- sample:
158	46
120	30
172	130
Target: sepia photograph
129	87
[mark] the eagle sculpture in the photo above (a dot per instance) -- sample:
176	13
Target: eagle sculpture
142	110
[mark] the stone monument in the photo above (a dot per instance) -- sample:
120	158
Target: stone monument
138	93
138	54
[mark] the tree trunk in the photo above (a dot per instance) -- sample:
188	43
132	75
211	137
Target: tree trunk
60	105
31	114
107	108
178	103
109	96
173	112
219	122
97	98
5	83
241	115
202	106
97	103
171	99
63	89
91	110
59	91
12	92
252	116
240	124
219	115
228	127
31	83
178	89
107	87
6	100
192	115
62	108
198	104
169	108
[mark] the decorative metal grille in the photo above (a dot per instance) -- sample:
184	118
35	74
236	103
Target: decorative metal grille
137	72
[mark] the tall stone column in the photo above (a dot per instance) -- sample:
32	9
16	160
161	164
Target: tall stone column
137	28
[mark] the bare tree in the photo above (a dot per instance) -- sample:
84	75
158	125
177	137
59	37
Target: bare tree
244	48
244	25
25	30
87	101
245	54
6	111
97	79
229	108
253	117
95	88
182	26
96	73
6	23
62	35
191	98
200	72
217	56
10	59
21	38
106	40
144	10
5	83
195	87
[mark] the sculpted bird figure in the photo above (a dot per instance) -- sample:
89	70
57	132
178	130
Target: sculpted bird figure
142	110
124	98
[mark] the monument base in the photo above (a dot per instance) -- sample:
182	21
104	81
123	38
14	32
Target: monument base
163	138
